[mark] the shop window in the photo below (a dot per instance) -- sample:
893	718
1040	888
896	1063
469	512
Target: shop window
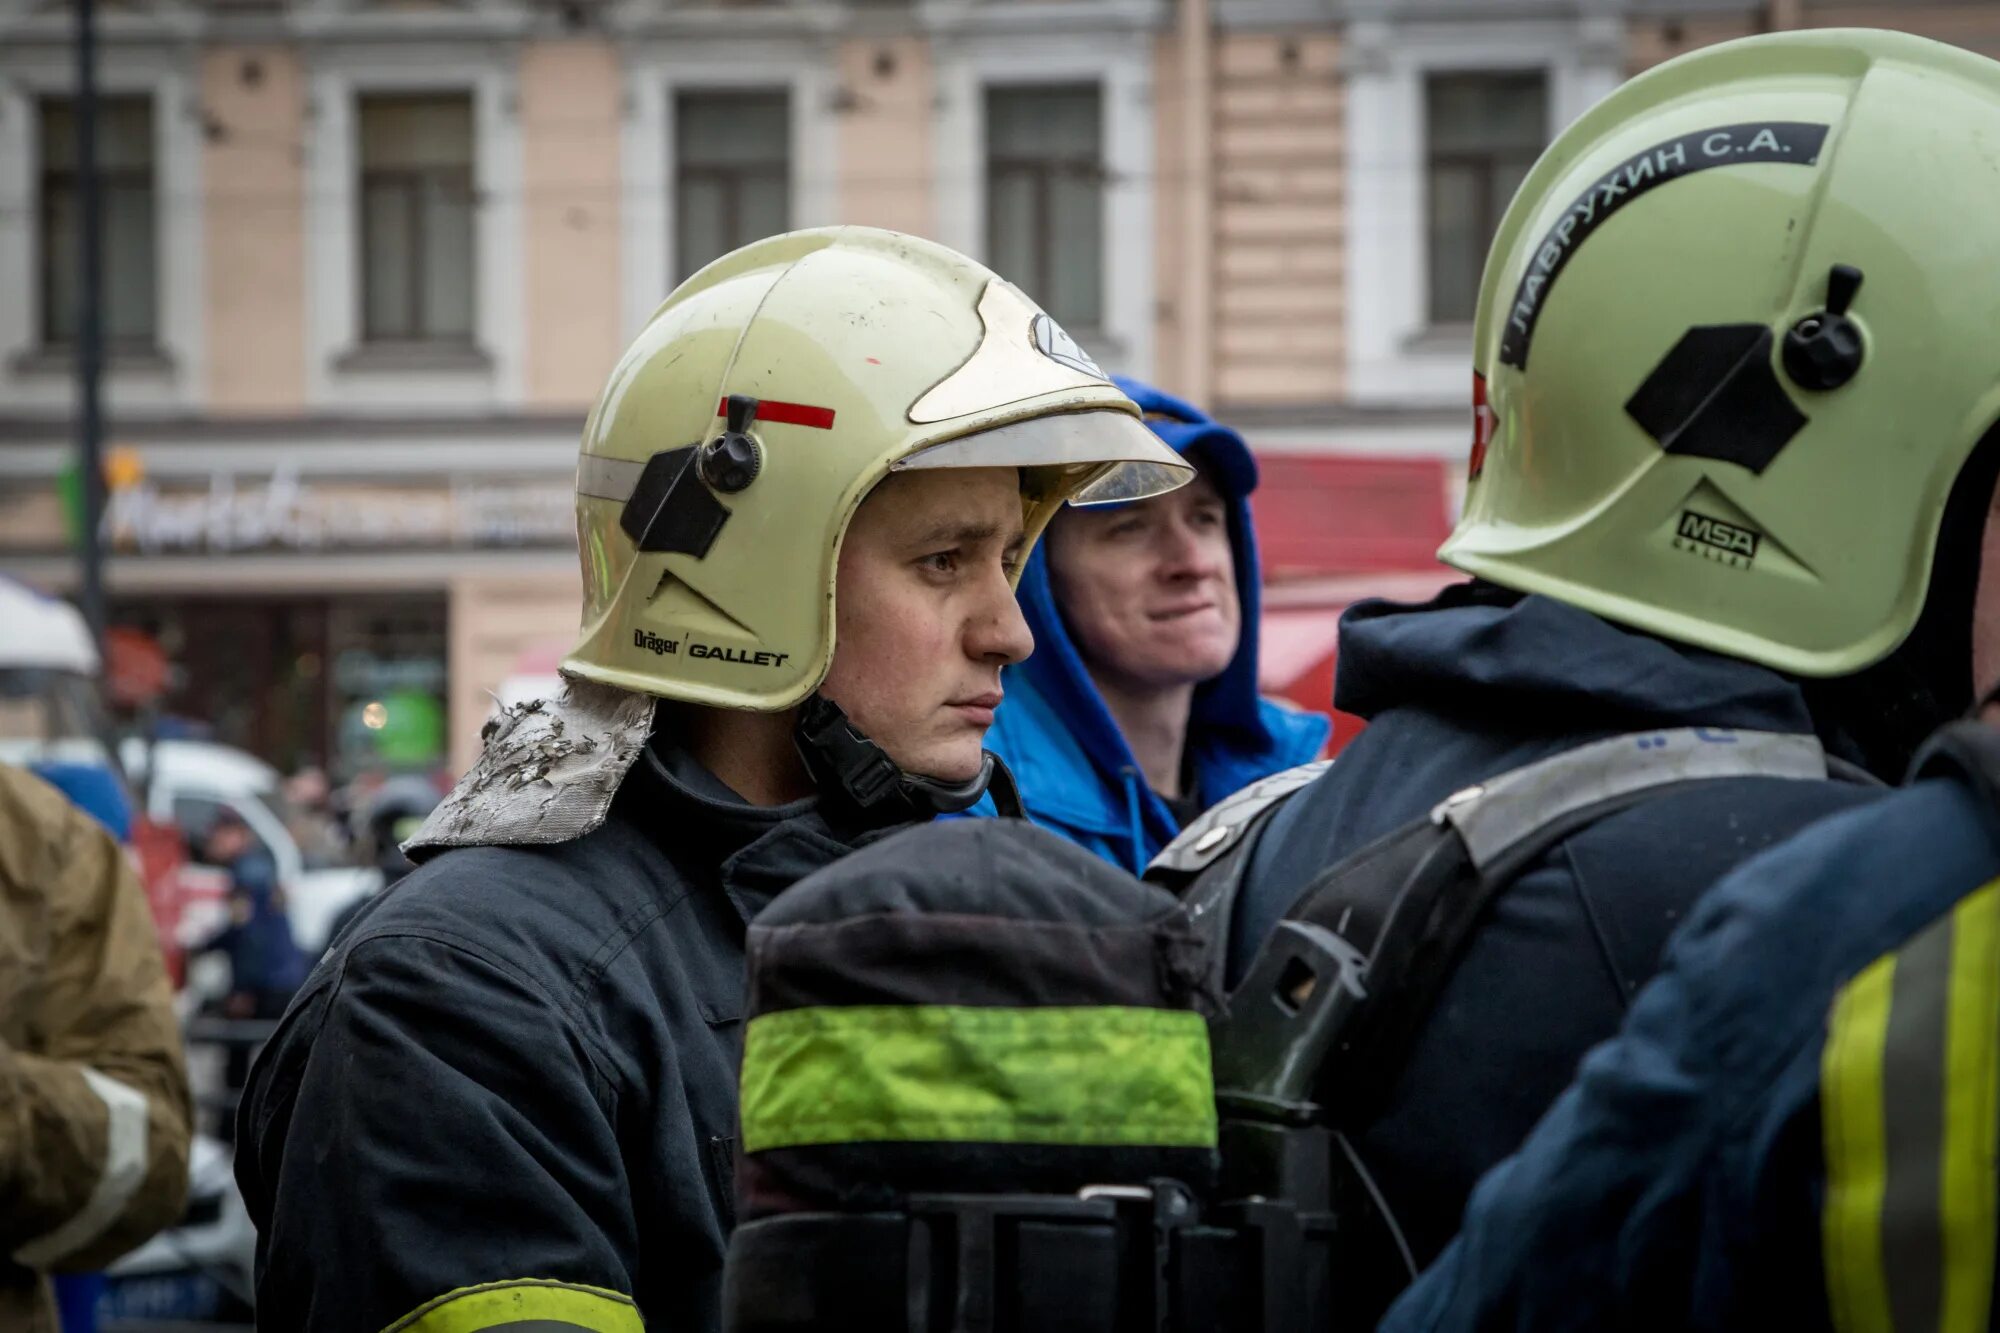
389	678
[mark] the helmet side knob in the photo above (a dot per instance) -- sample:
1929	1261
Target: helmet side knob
1824	350
732	460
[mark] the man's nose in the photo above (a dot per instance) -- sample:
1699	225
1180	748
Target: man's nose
997	631
1187	552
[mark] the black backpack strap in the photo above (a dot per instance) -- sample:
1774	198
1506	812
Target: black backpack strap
1206	862
1966	751
1330	1008
1413	922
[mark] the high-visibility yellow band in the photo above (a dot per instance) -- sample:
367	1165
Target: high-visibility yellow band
1971	1113
1857	1167
550	1305
1082	1075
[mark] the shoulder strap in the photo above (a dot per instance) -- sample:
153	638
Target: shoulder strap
1206	862
1223	826
1405	905
1520	814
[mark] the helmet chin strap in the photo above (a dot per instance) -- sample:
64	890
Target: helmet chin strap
854	770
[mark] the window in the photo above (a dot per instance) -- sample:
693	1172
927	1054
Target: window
1485	131
1045	198
125	164
732	166
416	219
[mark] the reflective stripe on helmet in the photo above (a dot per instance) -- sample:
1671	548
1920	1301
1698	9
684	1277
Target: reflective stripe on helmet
525	1305
1910	1105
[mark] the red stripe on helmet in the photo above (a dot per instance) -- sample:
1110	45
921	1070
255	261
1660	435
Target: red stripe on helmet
786	414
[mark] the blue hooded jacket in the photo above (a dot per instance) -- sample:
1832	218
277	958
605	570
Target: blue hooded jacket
1076	773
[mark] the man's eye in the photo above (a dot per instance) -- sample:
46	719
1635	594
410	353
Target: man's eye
940	562
1126	527
1208	518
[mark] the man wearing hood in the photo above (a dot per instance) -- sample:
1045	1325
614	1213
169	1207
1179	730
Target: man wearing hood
1139	708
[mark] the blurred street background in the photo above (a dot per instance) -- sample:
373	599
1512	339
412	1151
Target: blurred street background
364	265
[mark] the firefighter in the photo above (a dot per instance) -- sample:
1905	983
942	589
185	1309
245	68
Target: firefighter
507	1095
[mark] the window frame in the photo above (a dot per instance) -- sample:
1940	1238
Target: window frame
656	73
421	208
109	181
1486	165
1042	174
731	178
1091	45
1396	358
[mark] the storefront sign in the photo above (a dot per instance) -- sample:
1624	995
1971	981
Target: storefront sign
288	513
227	513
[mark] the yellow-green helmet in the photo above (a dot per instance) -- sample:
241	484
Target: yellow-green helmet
761	403
1738	334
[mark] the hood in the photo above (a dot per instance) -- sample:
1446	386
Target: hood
1226	704
1234	732
1532	662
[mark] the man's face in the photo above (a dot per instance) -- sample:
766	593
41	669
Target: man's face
226	841
1149	589
925	615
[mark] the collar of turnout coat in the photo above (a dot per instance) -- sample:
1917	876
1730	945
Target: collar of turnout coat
547	773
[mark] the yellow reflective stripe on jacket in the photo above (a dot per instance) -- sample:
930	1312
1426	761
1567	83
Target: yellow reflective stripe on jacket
1972	1111
1910	1109
1851	1120
549	1307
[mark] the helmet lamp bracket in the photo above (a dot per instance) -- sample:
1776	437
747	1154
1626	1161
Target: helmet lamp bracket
670	510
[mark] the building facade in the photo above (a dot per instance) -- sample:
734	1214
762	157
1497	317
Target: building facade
368	262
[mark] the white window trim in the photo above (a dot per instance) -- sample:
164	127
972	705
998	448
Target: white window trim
339	78
1122	69
28	73
655	74
1395	357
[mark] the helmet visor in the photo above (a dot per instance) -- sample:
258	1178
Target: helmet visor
1111	455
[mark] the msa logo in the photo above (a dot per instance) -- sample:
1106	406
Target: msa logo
1713	539
1062	349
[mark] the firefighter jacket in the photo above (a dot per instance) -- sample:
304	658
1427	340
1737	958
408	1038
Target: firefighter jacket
94	1109
507	1095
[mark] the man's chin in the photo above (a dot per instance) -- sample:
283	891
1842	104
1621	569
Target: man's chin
952	768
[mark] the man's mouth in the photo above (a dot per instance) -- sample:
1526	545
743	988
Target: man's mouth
978	707
1180	611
